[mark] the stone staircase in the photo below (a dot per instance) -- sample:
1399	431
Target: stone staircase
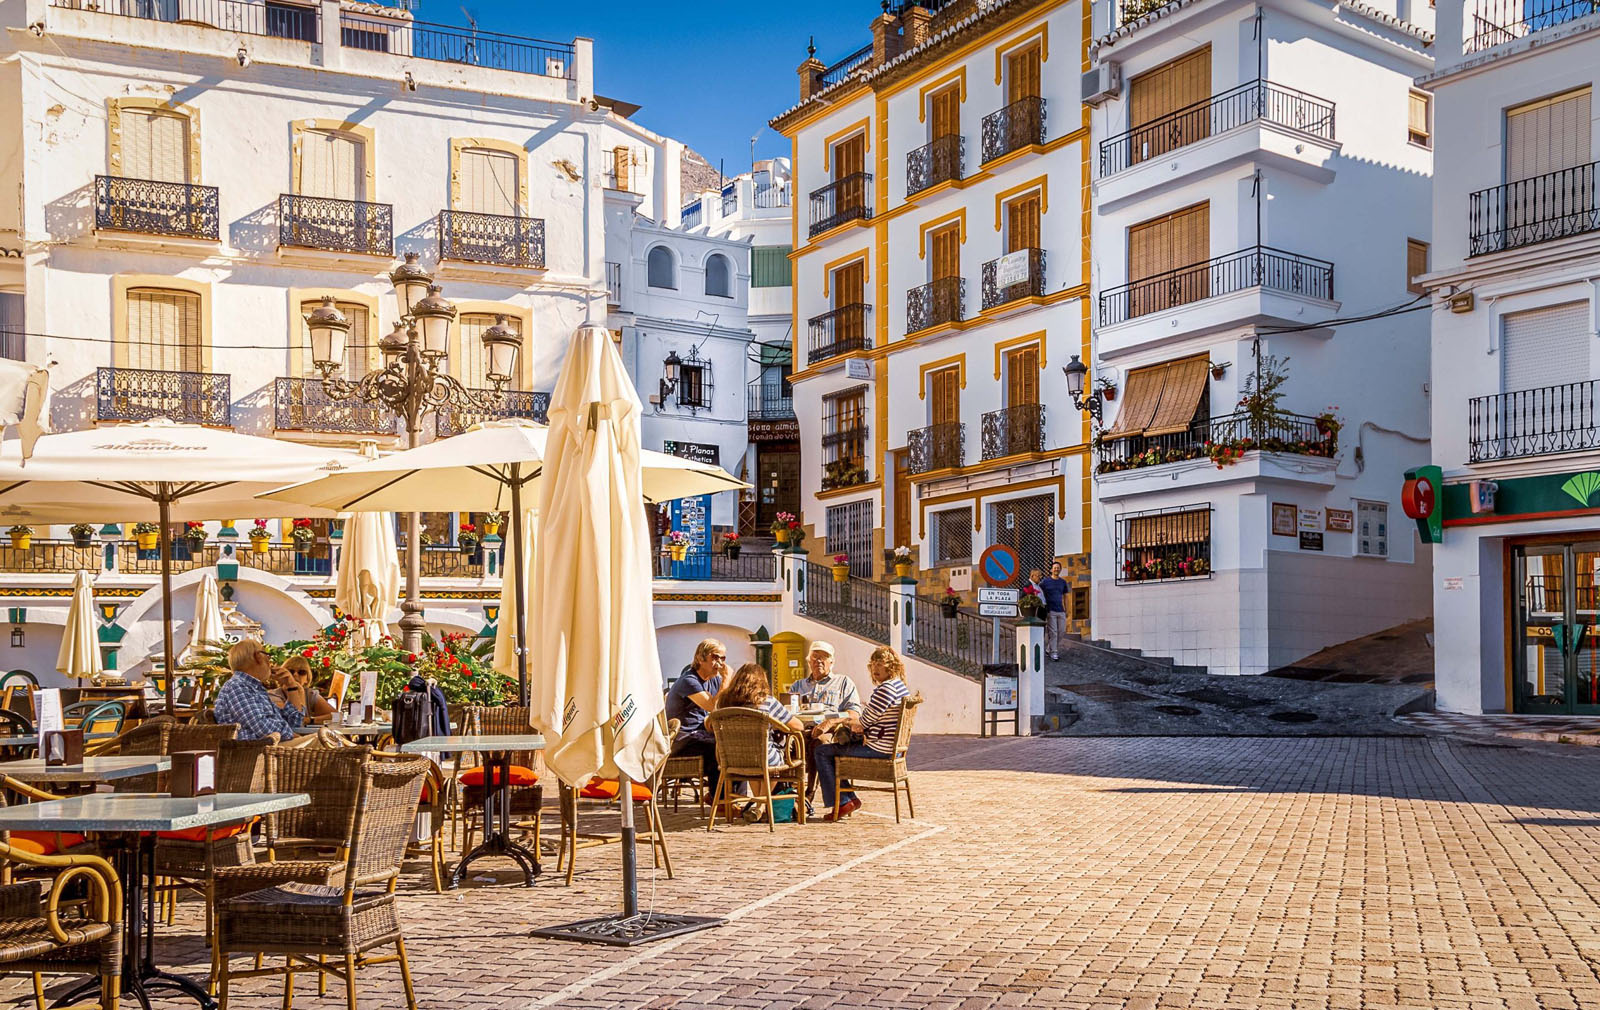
1165	662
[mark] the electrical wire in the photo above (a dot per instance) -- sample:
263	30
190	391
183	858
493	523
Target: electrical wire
1414	305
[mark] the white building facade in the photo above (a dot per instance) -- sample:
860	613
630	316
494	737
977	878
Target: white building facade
1261	183
1516	348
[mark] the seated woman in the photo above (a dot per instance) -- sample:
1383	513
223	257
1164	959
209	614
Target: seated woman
317	708
878	724
749	689
690	698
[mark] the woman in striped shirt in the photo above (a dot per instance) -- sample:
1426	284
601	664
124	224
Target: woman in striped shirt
878	724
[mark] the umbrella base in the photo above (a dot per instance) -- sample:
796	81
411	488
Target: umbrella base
629	930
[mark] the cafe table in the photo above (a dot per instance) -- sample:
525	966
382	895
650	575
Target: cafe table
126	825
107	768
32	739
496	751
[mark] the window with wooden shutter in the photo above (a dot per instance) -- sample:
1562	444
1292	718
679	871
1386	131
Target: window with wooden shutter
1182	392
849	284
358	344
944	247
164	330
1176	89
1022	223
488	182
944	395
154	145
770	267
1022	376
1160	250
1419	126
1022	74
944	112
1140	398
473	369
1159	545
850	160
1548	135
1416	264
332	165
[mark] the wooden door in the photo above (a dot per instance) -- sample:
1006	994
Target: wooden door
944	394
1160	250
944	246
1175	87
902	497
1022	376
1022	223
1022	74
778	482
944	108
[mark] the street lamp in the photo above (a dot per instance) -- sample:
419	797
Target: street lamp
670	371
413	381
1076	371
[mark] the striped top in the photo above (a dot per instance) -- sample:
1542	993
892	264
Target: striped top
780	712
880	721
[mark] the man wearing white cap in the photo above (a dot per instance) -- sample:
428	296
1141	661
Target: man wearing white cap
834	692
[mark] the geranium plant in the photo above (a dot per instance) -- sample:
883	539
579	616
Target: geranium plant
677	538
259	531
145	528
468	535
302	531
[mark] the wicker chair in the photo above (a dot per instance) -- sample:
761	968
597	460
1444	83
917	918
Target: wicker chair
686	770
40	933
742	753
38	843
432	804
295	910
332	778
607	791
526	796
191	858
890	769
146	739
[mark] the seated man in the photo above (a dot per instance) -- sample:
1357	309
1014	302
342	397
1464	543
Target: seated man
833	691
692	695
246	701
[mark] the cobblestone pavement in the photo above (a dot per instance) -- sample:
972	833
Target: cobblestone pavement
1060	872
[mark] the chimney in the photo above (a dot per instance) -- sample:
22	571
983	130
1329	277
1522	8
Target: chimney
811	72
885	37
916	21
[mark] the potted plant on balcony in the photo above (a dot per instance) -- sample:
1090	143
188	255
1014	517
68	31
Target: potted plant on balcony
841	568
1106	388
1329	423
21	537
1030	603
677	545
303	534
146	535
260	537
731	546
82	534
902	562
467	538
951	604
195	533
491	523
781	525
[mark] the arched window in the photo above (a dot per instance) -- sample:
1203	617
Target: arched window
660	270
719	276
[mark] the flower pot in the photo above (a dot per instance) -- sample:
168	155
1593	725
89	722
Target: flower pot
491	529
951	607
902	569
259	545
841	573
302	544
468	549
147	541
733	552
86	540
196	544
678	551
783	536
22	541
1110	393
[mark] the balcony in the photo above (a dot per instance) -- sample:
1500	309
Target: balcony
936	447
1014	127
1542	209
149	207
140	394
691	215
838	332
845	67
512	241
1533	422
1256	267
706	566
319	222
1495	22
770	197
1029	284
463	46
841	201
1013	431
1223	440
935	303
1258	101
939	161
769	401
514	403
239	17
300	404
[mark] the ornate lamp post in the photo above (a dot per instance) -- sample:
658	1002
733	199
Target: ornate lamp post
1076	371
413	381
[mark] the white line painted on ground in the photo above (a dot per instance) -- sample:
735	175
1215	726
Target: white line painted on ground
628	964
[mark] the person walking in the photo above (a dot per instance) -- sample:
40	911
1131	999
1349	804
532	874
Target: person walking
1054	590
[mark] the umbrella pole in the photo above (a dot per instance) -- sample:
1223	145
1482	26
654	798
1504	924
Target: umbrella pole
164	504
630	856
519	556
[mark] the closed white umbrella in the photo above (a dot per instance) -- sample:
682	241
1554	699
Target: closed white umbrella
369	572
513	574
207	627
24	402
80	643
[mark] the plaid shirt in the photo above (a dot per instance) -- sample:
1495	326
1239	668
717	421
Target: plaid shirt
244	700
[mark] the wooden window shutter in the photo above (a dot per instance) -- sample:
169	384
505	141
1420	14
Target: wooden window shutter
332	165
1023	73
1416	264
1143	397
488	182
945	108
1163	245
1417	118
621	158
1022	376
850	156
1022	223
945	244
850	284
155	145
946	396
164	330
1180	396
1178	85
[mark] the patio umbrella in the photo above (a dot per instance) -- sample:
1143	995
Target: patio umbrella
80	643
369	572
509	631
157	470
207	627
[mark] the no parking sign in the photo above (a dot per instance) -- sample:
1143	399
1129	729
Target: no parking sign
998	565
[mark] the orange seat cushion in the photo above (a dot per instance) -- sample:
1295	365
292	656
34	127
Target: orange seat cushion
44	843
205	834
520	776
606	789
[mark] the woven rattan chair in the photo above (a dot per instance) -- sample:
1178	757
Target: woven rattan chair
677	773
38	843
42	934
146	739
332	778
890	769
300	914
742	754
432	806
526	796
190	859
606	791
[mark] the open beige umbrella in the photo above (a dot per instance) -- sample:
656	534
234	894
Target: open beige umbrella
80	642
369	572
207	628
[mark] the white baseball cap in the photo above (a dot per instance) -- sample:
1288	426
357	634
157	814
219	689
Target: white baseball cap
820	646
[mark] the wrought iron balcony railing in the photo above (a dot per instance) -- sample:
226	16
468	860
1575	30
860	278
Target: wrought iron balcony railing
1542	209
319	222
1258	266
769	401
1498	21
139	394
935	162
514	403
238	17
1016	126
300	404
936	447
1030	286
450	44
841	201
1013	430
1257	100
845	67
1299	434
1534	422
838	332
935	303
155	208
703	565
512	241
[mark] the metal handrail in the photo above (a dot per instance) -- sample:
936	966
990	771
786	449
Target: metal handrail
1534	422
1495	22
842	69
942	300
936	447
510	240
1247	103
152	207
848	198
1257	266
1033	287
826	340
142	394
939	160
1544	208
239	17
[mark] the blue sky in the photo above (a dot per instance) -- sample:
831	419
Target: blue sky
709	74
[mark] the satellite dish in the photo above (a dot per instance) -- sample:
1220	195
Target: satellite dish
781	171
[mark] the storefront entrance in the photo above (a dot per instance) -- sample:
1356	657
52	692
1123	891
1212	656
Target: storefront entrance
1556	652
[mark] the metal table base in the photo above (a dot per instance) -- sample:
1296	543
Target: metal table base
497	824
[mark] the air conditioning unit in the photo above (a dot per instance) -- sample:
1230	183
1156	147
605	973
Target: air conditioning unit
1102	83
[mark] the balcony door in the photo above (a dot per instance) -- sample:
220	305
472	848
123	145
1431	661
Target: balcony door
332	165
155	145
1022	223
488	182
1166	260
1022	74
164	331
1157	94
850	289
850	162
1544	140
944	113
1556	650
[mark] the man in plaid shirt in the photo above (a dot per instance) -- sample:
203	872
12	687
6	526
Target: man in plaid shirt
244	700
